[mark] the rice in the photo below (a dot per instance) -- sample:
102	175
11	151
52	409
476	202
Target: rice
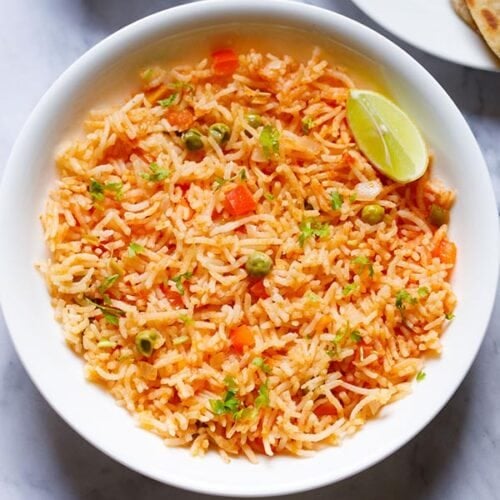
340	326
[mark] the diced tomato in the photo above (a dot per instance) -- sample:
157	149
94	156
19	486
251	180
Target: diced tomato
239	201
225	62
181	119
120	150
258	290
446	252
325	409
242	336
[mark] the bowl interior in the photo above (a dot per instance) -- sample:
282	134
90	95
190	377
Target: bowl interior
107	74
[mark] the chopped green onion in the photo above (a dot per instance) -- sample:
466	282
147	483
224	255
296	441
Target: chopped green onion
108	283
336	200
157	174
145	342
135	249
270	141
420	376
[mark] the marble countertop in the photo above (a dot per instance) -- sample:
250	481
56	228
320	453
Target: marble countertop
456	457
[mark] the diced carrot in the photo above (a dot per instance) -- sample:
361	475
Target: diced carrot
325	409
225	62
241	336
446	252
181	119
121	150
258	290
239	201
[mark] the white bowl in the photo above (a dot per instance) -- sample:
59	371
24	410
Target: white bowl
58	373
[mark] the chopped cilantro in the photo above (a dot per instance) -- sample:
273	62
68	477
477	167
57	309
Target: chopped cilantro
135	249
260	363
96	190
262	400
420	376
229	403
269	196
165	103
270	141
449	316
179	279
307	124
403	297
187	320
336	200
350	288
243	174
423	291
108	283
362	263
109	312
181	86
157	174
356	336
310	228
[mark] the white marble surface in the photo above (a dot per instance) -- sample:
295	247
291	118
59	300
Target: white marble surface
456	457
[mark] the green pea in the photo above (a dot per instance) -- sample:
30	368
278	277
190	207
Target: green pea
145	342
372	214
192	139
254	120
258	264
220	132
438	215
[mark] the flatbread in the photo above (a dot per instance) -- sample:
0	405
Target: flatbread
463	11
486	14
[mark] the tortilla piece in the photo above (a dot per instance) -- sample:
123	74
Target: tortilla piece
486	14
463	11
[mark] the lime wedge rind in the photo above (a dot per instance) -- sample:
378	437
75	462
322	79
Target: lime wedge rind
387	136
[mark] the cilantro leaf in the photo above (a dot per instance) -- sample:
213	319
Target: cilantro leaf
362	262
108	283
336	200
157	174
135	249
356	336
165	103
270	141
350	288
307	124
109	312
423	291
179	279
403	297
115	187
420	376
309	228
262	400
449	316
260	363
96	190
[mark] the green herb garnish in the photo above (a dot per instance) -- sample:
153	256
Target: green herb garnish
135	249
179	279
229	404
420	376
402	298
350	288
187	320
165	103
363	263
449	316
108	283
356	336
109	312
310	228
97	190
260	363
336	200
423	291
307	124
270	141
269	196
157	174
262	400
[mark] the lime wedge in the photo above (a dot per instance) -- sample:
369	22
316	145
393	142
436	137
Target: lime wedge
387	137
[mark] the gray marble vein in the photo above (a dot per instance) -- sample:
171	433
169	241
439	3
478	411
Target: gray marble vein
456	457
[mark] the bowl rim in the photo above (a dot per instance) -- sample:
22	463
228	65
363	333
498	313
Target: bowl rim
213	10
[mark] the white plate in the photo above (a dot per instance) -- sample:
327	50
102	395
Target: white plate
58	373
433	26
